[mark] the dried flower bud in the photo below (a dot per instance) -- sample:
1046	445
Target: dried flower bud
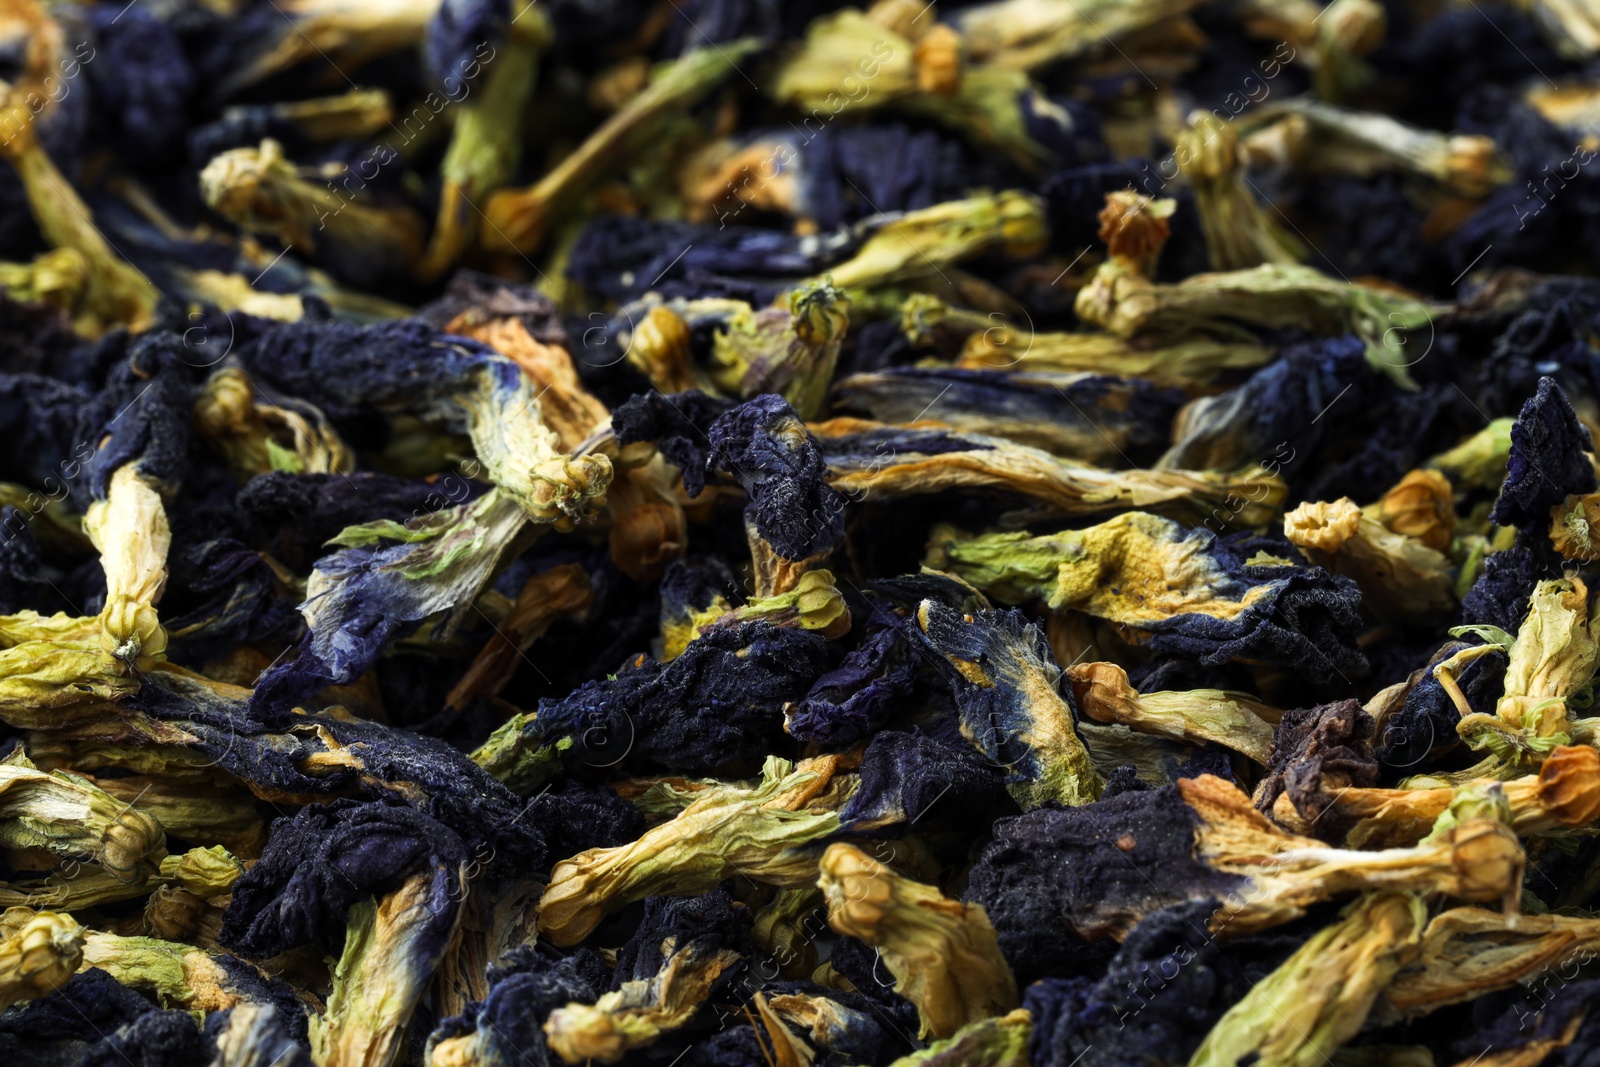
1134	227
40	953
1420	505
175	914
1323	527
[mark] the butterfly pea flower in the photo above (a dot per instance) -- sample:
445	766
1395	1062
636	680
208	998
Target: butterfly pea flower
129	527
1549	460
1551	659
1317	754
1468	952
793	514
1235	720
202	873
392	947
1094	418
69	816
789	350
913	244
1296	1016
1183	591
760	831
1316	137
1098	870
852	60
1125	302
1399	576
718	702
518	219
1239	232
116	293
867	458
141	426
1011	710
507	1025
261	191
387	578
176	974
942	953
224	814
1271	417
354	368
1562	794
56	666
647	522
684	951
259	436
485	142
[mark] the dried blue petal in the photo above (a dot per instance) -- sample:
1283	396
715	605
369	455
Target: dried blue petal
853	700
141	84
763	445
1548	461
242	602
506	1029
910	777
679	425
462	36
322	860
720	702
